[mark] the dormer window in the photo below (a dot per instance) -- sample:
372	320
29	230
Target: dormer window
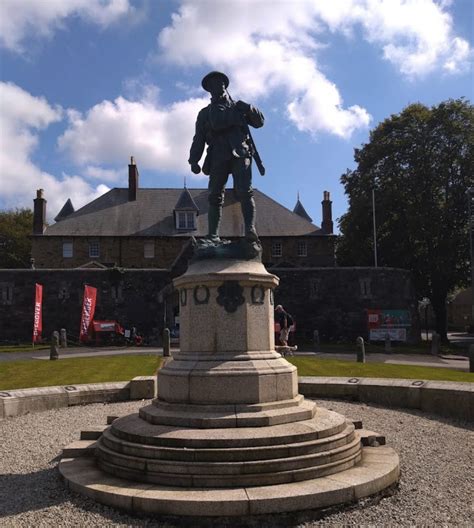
185	212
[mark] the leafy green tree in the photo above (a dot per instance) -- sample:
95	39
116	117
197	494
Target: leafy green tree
15	245
419	163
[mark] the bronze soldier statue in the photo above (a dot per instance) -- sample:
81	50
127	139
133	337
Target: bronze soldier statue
223	125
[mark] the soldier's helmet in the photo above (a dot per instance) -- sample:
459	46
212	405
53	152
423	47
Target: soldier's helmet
213	74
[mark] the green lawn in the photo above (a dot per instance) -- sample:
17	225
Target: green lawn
332	367
44	373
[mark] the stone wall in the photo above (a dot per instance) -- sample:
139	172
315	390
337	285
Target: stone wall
335	300
131	297
331	300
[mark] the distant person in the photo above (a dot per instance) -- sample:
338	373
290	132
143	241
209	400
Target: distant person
285	321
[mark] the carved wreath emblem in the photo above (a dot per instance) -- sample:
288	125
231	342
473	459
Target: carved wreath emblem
230	296
201	294
258	294
183	294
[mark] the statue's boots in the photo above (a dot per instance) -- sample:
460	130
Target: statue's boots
214	218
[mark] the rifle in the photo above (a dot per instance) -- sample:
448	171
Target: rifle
253	148
256	155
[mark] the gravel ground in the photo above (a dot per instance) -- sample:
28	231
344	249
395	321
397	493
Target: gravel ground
435	488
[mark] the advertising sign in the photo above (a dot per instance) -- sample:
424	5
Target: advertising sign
392	322
38	313
88	309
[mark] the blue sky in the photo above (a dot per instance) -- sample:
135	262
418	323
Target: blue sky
85	84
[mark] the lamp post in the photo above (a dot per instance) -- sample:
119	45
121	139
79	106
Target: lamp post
424	303
375	229
470	206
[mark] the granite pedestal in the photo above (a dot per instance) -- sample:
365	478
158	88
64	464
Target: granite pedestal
228	433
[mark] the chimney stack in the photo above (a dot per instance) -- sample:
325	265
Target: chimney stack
39	213
327	224
132	180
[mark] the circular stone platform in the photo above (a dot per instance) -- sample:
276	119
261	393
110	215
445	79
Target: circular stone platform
377	469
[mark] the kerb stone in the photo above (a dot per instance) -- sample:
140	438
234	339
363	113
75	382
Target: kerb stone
143	387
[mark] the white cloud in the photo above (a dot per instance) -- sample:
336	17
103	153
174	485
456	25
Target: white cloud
319	108
416	35
108	175
22	19
266	46
109	133
22	118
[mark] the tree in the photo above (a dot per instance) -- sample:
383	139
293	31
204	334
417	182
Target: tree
15	244
419	163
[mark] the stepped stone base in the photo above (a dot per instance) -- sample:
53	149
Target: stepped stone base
322	444
377	470
166	469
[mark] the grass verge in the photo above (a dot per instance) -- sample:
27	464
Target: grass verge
44	373
333	367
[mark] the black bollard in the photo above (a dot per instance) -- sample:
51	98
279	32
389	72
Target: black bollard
360	350
316	340
54	348
435	343
63	338
166	342
471	358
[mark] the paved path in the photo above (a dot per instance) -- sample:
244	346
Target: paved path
452	362
74	352
422	360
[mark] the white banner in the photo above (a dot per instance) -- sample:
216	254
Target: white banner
396	334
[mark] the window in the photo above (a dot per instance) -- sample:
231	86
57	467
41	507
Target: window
6	293
365	292
302	249
94	249
181	220
315	288
185	220
277	249
190	218
149	250
67	250
63	290
117	291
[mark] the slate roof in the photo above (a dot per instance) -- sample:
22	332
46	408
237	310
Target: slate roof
67	209
301	211
151	214
186	202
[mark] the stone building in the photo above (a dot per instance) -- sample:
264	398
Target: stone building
130	243
149	228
